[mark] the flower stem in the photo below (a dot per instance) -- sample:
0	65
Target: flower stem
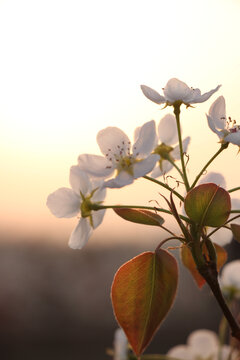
210	274
184	173
165	186
223	147
176	167
234	189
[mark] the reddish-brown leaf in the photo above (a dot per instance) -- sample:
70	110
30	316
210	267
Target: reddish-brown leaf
208	204
140	216
188	261
143	291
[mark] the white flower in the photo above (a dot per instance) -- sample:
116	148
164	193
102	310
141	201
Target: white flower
202	345
167	136
177	91
222	236
230	278
226	129
120	344
128	162
66	203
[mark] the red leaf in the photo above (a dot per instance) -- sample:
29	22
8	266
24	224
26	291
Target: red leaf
236	231
143	291
208	204
140	216
188	261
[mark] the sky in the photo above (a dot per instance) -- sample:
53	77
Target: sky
71	68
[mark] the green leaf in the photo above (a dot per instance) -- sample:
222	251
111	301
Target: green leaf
140	216
142	293
208	205
236	231
188	262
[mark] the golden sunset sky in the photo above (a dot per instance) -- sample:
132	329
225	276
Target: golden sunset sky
71	68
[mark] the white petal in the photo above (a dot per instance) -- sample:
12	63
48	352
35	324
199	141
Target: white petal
167	130
205	96
221	237
97	217
193	95
233	138
230	275
143	167
214	177
176	151
80	234
181	352
113	141
120	345
204	343
211	124
166	166
176	90
79	181
64	202
217	112
152	95
100	194
156	172
95	165
121	180
146	140
136	133
226	351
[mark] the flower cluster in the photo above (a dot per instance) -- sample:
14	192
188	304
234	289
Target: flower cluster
152	152
144	288
202	344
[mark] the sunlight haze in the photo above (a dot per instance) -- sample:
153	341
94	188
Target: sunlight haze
71	68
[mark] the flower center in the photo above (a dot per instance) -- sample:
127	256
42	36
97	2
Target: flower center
164	151
121	158
231	125
86	206
235	129
126	164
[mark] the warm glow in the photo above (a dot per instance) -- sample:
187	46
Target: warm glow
71	68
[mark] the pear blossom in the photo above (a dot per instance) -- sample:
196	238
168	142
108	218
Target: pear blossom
67	203
128	162
202	345
230	279
120	344
222	236
167	137
177	91
225	128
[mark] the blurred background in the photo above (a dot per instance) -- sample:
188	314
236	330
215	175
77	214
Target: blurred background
67	70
